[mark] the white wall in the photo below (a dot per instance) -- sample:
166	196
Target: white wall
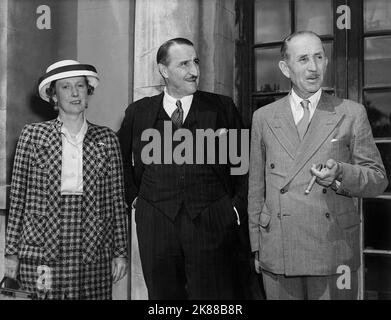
103	40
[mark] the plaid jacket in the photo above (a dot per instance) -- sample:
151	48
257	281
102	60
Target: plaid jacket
34	226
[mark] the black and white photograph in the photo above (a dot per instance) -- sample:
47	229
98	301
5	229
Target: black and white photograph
212	151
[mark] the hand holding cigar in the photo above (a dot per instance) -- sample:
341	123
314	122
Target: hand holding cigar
313	179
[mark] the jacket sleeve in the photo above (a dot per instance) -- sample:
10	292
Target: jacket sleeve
125	136
365	175
256	192
24	150
120	210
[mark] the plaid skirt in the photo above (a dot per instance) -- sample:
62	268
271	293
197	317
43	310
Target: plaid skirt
68	277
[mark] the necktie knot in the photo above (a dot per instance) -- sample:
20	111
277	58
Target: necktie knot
305	104
178	103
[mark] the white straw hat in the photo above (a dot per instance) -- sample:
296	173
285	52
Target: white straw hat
66	69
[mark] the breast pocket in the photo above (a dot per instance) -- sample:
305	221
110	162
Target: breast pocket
39	165
104	169
39	186
348	220
102	163
339	150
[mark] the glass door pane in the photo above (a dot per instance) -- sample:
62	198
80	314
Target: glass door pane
271	20
378	105
377	15
377	277
329	76
377	61
269	78
315	15
377	218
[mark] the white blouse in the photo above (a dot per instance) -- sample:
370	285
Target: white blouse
72	160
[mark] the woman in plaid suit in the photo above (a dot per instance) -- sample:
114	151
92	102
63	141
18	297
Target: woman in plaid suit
66	233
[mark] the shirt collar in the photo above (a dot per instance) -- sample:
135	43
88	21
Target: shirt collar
314	99
186	100
79	136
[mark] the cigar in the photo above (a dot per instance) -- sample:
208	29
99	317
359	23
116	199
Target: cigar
312	181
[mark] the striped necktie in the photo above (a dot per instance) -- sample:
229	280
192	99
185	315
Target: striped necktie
177	115
302	126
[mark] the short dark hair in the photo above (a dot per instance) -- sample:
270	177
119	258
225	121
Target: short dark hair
51	91
162	53
284	46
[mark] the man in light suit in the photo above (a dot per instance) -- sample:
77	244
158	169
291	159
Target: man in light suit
188	216
302	238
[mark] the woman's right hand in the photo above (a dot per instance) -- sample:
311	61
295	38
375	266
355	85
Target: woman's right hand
11	266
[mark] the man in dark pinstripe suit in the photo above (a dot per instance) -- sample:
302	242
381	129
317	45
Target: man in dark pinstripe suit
188	216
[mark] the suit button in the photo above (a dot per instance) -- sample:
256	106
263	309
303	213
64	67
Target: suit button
279	215
324	190
327	215
272	165
282	191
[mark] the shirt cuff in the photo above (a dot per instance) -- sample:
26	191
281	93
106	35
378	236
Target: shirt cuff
335	185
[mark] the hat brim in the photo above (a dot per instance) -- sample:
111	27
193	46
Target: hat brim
62	72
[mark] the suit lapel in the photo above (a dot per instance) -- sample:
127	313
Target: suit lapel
191	118
51	148
94	156
205	112
53	145
323	122
147	115
283	127
145	118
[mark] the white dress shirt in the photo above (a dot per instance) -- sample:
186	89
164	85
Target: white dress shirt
72	160
169	104
297	109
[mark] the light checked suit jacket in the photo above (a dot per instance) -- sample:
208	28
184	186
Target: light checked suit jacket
34	226
298	234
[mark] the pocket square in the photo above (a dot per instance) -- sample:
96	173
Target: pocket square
334	140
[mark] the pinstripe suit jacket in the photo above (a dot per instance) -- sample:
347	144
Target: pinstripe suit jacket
298	234
212	111
34	226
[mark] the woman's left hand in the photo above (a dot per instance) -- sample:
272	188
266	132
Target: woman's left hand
120	268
